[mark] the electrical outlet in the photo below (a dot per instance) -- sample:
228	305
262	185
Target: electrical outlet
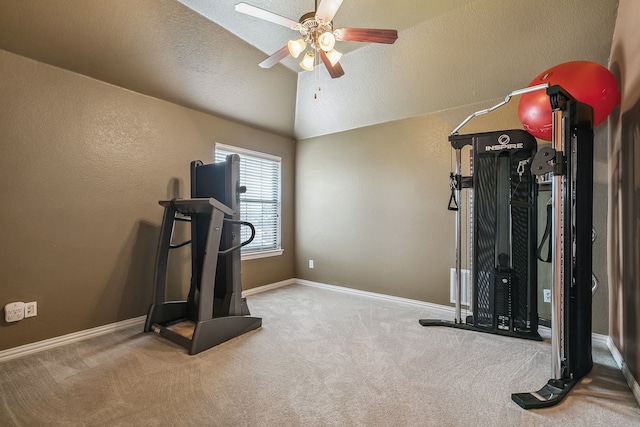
310	263
31	309
14	311
546	295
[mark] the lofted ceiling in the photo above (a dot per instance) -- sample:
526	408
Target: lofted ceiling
269	37
204	55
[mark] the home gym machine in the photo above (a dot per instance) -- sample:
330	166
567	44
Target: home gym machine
215	310
503	232
569	164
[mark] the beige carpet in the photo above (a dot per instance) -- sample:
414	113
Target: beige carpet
322	358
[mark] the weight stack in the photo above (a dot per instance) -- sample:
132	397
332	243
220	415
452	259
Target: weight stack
504	233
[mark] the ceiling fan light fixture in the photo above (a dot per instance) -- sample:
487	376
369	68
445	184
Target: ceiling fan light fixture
296	47
334	56
326	41
308	61
317	31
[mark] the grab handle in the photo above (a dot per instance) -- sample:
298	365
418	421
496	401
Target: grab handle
595	282
246	242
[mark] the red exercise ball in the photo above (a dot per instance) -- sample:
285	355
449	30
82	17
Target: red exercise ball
586	81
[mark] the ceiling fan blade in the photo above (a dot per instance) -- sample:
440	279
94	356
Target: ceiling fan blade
327	10
370	35
335	71
275	58
266	15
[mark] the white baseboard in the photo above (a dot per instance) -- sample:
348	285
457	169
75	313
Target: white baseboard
602	339
268	287
446	311
36	347
631	381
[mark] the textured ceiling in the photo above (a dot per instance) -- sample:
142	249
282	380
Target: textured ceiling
204	55
269	37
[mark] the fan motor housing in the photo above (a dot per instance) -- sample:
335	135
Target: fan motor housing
311	28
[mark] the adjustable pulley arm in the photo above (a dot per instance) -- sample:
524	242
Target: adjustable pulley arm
569	161
548	160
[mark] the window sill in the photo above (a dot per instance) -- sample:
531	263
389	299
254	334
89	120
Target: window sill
263	254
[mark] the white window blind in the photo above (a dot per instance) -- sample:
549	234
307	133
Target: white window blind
260	204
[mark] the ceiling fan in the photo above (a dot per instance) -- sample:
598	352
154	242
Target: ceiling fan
316	29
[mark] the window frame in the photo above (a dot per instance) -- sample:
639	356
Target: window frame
261	253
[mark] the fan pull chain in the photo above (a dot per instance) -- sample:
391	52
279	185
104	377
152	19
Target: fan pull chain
316	75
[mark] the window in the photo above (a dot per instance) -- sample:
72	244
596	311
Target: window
260	205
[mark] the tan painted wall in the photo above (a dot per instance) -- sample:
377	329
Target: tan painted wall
624	196
371	206
83	166
84	163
